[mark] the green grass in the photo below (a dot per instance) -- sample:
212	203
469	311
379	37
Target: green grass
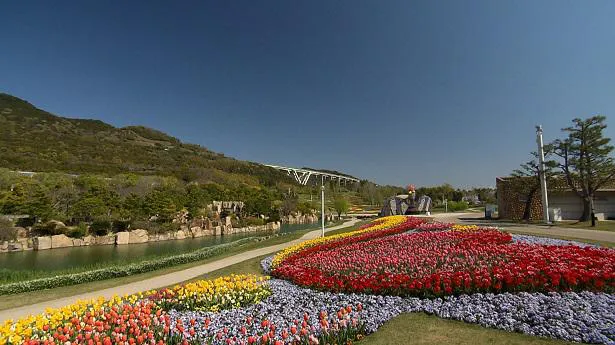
251	266
602	225
346	229
420	328
10	276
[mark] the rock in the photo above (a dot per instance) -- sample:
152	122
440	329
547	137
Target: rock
42	242
4	245
107	239
122	237
164	237
15	246
78	242
196	231
61	241
88	240
180	235
26	243
217	230
227	222
21	232
138	236
56	223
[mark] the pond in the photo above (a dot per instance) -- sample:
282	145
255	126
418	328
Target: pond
92	256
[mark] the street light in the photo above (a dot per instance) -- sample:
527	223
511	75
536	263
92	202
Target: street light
322	205
543	177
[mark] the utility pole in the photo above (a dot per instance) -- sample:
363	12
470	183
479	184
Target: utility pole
543	177
322	205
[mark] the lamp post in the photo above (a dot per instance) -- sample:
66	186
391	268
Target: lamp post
543	177
322	205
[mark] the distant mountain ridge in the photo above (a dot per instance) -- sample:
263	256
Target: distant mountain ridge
35	140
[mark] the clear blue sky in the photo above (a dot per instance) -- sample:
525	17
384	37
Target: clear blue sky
394	91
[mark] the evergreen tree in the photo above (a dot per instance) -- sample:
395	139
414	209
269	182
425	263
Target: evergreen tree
586	161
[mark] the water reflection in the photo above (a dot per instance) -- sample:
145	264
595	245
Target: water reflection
67	258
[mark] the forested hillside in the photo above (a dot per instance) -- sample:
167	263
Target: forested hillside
35	140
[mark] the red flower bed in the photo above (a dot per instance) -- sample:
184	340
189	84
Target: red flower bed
442	263
409	224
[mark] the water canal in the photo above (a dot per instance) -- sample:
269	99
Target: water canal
92	256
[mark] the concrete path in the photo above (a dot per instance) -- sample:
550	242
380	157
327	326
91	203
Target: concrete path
162	280
476	218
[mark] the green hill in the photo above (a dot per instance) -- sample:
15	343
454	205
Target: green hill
34	140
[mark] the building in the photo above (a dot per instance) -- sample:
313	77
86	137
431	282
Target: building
512	204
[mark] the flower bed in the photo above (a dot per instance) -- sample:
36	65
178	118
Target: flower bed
586	316
136	318
450	262
391	224
248	310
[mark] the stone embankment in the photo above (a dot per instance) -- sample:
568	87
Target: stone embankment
134	236
306	218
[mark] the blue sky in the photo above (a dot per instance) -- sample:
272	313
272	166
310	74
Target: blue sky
397	92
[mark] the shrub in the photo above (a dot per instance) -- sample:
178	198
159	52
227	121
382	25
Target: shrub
252	221
50	228
77	231
7	231
100	227
457	205
169	227
120	225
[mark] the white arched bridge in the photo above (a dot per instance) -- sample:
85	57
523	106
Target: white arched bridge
302	176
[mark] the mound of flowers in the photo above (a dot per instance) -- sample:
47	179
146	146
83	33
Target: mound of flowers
465	260
382	227
138	318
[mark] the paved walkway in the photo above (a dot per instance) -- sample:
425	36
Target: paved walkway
476	218
162	280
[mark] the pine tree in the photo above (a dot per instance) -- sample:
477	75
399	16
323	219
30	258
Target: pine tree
585	160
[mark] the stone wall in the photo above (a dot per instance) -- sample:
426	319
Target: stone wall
511	204
194	230
300	219
307	218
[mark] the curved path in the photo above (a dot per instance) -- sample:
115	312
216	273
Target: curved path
534	229
162	280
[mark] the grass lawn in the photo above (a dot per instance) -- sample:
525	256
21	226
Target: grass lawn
420	328
603	225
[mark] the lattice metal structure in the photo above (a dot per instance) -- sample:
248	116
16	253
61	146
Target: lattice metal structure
302	176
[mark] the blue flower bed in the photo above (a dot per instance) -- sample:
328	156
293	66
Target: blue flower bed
548	241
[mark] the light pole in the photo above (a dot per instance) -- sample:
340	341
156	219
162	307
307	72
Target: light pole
322	205
543	177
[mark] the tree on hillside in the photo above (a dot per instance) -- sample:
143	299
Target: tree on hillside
585	160
526	181
341	206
